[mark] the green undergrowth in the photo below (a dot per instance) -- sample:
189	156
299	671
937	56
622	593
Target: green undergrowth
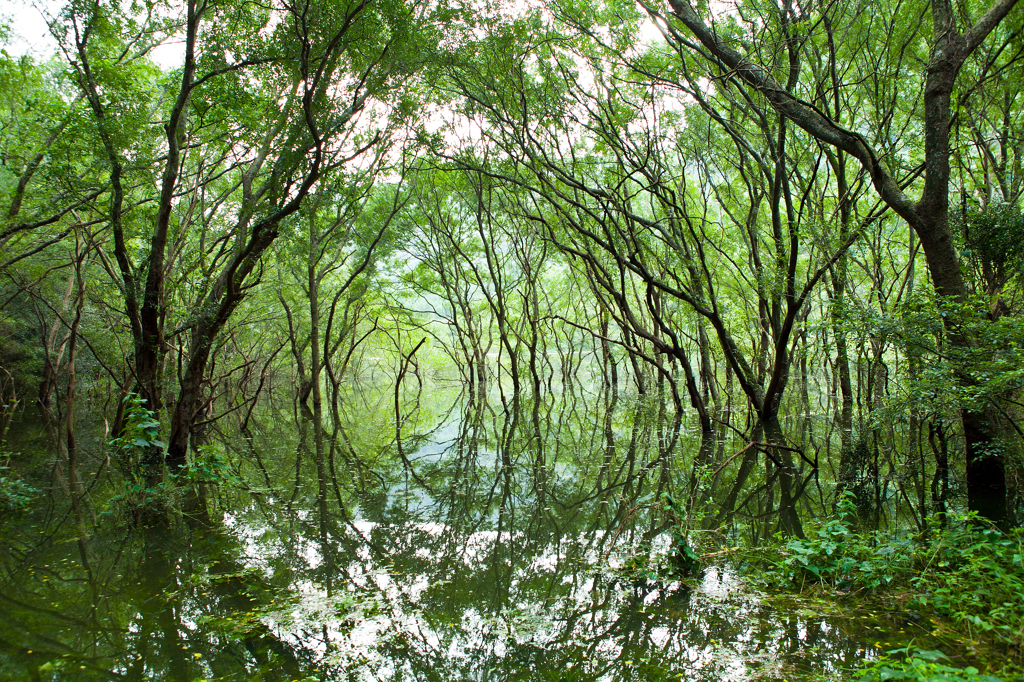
920	665
962	583
15	494
139	500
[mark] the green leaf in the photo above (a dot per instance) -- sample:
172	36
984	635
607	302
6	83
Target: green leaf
929	655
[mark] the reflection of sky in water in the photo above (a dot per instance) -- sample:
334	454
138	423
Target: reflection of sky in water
525	576
378	620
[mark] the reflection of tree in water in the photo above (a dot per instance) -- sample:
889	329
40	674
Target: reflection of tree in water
507	564
181	607
516	548
166	603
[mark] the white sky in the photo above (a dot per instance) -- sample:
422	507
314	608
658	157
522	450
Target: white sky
30	35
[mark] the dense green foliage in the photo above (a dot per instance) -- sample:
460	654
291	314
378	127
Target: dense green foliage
967	574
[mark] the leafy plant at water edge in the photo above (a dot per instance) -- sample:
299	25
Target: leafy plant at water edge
975	576
135	502
680	562
208	466
837	556
968	575
917	664
686	561
15	494
141	431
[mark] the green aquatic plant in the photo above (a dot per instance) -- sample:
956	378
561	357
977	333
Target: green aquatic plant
974	575
141	431
138	498
966	579
15	494
919	665
837	556
209	466
685	560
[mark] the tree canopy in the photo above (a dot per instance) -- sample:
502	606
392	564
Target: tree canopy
744	204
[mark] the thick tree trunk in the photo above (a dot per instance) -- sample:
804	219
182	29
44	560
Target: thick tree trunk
985	466
986	469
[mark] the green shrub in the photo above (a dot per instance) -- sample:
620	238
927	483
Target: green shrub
969	577
141	431
685	562
916	664
208	466
15	494
975	576
837	556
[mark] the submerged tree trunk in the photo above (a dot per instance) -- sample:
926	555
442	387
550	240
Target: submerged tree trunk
77	490
781	455
315	367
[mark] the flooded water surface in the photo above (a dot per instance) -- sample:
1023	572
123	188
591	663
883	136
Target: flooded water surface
480	540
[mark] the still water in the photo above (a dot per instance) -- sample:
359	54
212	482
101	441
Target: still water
481	540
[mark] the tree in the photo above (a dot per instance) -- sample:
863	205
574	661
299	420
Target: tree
671	238
206	164
698	35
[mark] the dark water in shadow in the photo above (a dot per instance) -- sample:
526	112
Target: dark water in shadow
494	543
